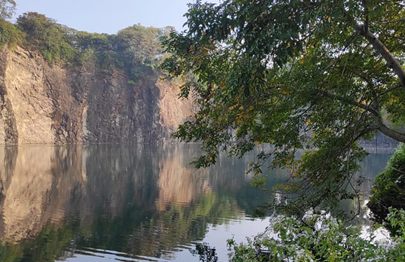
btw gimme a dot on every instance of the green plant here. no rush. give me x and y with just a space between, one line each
47 36
389 186
10 35
319 238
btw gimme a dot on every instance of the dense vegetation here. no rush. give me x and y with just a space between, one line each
320 238
9 34
389 186
313 76
135 49
304 76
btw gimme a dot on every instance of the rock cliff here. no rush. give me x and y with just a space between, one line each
43 104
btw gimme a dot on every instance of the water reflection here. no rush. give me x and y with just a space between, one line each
133 202
356 210
137 200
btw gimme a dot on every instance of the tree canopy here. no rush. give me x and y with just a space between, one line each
7 8
136 49
46 35
306 76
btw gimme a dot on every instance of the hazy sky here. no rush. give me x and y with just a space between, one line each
110 16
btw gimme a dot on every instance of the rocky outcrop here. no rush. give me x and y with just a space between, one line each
43 104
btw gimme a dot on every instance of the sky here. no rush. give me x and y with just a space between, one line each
102 16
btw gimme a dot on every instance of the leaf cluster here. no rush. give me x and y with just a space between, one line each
46 35
318 237
10 35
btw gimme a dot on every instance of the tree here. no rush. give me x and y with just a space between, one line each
7 8
46 35
9 35
140 44
313 76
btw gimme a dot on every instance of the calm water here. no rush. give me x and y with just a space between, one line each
127 203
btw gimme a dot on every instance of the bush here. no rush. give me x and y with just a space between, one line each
389 186
9 34
47 36
319 238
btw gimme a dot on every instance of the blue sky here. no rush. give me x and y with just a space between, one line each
109 16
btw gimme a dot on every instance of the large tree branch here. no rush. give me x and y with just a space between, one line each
383 51
395 21
348 101
376 97
392 62
398 136
380 125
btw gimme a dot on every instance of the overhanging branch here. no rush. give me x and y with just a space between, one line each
398 136
348 101
383 51
395 21
381 126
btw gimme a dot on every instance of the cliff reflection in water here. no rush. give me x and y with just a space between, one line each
138 200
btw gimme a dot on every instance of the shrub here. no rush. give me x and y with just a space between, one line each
10 35
319 238
47 36
389 186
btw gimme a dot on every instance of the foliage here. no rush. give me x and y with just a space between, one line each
46 35
91 41
9 35
318 238
302 75
389 186
139 43
7 8
136 49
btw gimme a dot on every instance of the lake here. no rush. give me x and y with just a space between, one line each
129 202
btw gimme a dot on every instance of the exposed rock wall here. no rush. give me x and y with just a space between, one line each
40 104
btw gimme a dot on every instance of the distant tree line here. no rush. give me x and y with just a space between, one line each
136 49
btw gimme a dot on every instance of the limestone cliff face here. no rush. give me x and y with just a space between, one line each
59 104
